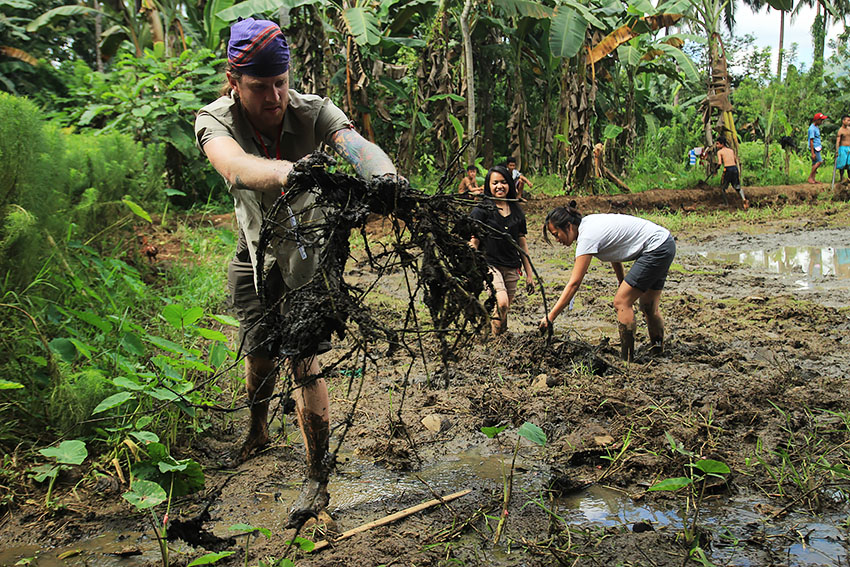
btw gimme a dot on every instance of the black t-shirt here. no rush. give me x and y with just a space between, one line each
498 250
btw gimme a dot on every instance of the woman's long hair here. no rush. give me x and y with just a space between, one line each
562 218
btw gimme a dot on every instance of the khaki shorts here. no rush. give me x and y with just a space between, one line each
505 280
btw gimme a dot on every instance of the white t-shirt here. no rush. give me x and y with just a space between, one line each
618 238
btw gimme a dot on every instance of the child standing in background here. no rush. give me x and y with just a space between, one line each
731 171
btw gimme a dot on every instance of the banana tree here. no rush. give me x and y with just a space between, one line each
579 37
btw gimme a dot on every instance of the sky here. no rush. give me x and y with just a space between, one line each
765 27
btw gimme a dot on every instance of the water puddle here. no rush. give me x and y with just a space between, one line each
810 265
739 534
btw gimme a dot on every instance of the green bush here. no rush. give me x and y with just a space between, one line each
56 185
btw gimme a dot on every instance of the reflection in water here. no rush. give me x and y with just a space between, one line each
807 261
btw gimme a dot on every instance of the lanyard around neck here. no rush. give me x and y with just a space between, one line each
263 144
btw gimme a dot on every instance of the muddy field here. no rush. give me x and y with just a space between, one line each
755 375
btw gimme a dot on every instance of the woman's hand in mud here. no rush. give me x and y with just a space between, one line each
529 285
544 324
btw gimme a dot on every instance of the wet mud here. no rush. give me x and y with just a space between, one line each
755 374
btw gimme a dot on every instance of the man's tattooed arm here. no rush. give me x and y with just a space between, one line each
367 158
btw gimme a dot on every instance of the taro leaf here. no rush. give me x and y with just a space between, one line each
8 385
178 317
145 494
137 210
493 431
218 354
132 344
304 544
670 484
68 452
162 468
144 437
43 472
210 558
712 467
113 401
212 335
64 348
533 433
226 320
248 528
611 131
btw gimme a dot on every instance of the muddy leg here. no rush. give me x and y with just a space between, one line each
312 408
744 202
260 376
624 301
654 322
499 322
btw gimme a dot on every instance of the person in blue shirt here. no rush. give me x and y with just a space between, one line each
815 145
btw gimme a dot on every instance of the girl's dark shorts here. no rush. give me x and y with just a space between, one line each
650 269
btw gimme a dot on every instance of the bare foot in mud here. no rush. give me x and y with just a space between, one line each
812 181
314 498
253 443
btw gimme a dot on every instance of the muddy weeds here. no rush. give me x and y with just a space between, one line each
755 375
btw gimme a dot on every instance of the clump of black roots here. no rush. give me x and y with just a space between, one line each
430 241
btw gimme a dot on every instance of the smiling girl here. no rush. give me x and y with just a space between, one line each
500 234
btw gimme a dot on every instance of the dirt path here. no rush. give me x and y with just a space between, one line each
755 375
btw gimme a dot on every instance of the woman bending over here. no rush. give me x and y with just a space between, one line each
617 239
502 240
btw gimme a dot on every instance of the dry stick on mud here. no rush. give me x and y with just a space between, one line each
393 517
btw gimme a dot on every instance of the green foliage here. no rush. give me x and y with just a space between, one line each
145 494
154 99
178 477
76 395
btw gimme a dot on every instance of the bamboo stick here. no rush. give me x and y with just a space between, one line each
391 518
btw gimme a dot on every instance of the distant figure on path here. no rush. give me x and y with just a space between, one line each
731 171
842 148
499 242
469 183
694 155
617 239
815 145
520 180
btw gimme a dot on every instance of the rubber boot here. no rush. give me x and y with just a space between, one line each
260 377
627 341
656 336
314 496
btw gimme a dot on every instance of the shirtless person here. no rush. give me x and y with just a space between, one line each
520 180
842 148
731 172
469 184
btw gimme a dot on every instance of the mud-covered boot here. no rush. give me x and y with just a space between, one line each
627 342
314 498
656 337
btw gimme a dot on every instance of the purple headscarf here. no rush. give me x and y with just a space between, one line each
257 48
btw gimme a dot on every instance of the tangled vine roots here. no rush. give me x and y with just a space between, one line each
311 224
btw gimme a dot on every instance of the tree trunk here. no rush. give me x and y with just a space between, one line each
581 98
310 41
718 98
781 43
519 124
98 33
469 69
